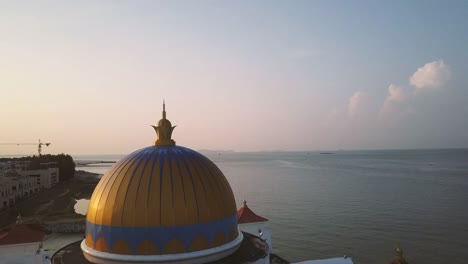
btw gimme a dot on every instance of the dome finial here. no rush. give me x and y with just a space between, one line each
164 130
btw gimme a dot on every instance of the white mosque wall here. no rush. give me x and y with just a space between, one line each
20 248
21 253
23 259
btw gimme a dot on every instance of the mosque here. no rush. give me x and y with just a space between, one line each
170 204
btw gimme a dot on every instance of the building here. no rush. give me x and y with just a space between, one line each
21 244
7 197
46 177
254 224
21 185
169 204
17 182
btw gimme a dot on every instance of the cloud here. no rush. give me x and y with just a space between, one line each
396 95
431 75
357 103
402 117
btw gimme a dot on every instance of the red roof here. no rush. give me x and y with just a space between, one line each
245 215
21 234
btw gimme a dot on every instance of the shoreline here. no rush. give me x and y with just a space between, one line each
87 176
54 205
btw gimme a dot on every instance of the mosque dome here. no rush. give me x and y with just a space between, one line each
162 204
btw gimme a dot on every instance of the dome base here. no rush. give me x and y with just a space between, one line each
196 257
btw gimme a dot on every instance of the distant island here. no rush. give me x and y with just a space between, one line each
210 151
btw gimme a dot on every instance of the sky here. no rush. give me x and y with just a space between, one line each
90 76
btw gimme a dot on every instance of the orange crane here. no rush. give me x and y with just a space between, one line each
39 145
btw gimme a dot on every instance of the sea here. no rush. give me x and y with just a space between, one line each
360 204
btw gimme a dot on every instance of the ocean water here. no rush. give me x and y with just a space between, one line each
362 204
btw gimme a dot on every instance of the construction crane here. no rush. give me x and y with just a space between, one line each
39 145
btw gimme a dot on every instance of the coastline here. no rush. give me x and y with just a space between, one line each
87 176
54 205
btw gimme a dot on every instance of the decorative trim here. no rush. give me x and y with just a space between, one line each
160 236
202 256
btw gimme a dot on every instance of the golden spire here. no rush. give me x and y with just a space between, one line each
164 130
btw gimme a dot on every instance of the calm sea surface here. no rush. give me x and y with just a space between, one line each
361 204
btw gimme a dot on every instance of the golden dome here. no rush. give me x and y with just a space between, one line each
159 200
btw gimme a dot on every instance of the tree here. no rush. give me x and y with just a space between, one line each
65 163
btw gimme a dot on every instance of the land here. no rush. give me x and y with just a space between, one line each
54 205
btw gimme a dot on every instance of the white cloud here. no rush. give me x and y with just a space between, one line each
357 103
396 95
431 75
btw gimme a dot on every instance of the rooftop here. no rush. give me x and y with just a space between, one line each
245 215
21 234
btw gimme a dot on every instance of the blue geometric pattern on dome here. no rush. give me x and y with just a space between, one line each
160 236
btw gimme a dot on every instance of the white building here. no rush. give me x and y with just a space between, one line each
46 177
7 196
21 185
254 224
21 245
16 182
27 186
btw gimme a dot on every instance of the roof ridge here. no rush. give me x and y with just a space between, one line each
246 215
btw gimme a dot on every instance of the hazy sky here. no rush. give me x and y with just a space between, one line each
90 76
